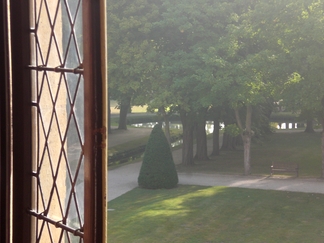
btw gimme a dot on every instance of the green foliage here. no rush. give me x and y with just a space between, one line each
131 53
233 130
303 38
192 54
158 168
284 117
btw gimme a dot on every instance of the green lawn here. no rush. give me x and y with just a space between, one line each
295 147
196 214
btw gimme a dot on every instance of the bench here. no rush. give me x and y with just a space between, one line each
284 167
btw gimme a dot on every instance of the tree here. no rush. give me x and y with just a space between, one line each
252 64
183 36
309 116
303 40
189 55
158 169
131 52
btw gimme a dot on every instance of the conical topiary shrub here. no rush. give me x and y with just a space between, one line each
158 169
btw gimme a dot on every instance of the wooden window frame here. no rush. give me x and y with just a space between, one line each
16 160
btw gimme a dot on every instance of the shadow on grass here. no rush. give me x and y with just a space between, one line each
216 214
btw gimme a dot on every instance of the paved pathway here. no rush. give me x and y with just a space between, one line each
124 178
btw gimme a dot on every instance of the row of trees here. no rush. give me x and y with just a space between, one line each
196 57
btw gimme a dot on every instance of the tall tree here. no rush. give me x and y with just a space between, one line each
131 51
186 27
304 41
250 63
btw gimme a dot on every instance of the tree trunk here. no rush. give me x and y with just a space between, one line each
167 129
201 137
109 116
246 137
187 146
124 108
167 125
215 138
309 126
322 122
322 175
247 158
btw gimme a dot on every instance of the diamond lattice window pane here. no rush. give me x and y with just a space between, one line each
59 128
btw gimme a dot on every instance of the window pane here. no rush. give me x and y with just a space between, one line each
58 129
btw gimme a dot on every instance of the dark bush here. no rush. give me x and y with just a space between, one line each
158 168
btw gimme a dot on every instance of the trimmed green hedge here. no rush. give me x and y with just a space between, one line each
158 169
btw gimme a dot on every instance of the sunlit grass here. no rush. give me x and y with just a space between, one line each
215 214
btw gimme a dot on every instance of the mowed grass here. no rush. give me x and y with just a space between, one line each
286 147
196 214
